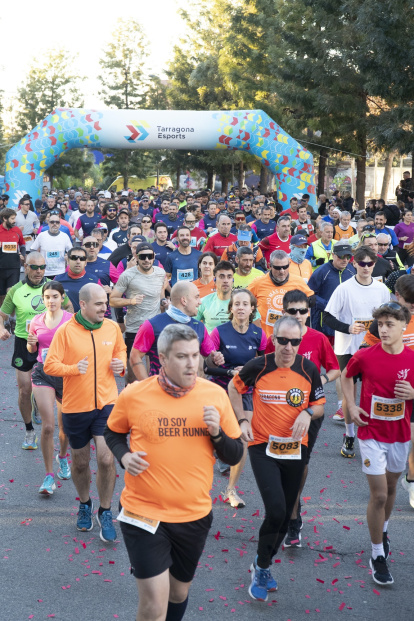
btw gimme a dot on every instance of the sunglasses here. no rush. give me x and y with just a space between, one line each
146 221
348 257
37 267
369 227
91 244
379 244
295 311
143 257
283 340
76 257
366 263
281 267
114 210
190 221
393 305
240 219
54 221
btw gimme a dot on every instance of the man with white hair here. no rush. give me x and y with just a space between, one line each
320 251
344 230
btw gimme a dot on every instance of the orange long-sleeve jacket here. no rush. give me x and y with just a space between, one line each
97 387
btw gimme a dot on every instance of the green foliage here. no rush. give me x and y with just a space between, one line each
125 163
74 165
50 83
122 64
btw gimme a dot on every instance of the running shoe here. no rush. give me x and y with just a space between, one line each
348 449
293 537
48 486
409 487
108 532
30 441
386 544
85 517
234 499
64 472
35 411
339 415
380 572
271 582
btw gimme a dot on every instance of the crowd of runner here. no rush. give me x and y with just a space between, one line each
225 315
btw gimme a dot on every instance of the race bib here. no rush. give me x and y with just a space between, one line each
44 354
185 274
28 238
53 259
367 321
272 316
379 278
140 521
283 448
406 246
387 409
9 247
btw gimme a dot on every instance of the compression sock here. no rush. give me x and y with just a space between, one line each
350 430
50 474
377 550
385 527
175 612
102 509
29 426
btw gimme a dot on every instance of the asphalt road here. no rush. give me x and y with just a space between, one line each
50 571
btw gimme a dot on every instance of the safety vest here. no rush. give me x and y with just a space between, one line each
319 252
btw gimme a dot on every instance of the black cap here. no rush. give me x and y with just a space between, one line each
123 211
341 249
144 246
140 238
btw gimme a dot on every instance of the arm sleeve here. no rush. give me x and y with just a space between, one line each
207 346
263 342
317 394
117 443
229 450
331 321
215 337
144 338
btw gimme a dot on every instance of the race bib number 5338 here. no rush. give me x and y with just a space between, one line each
387 409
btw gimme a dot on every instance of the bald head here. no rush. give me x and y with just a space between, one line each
186 297
91 292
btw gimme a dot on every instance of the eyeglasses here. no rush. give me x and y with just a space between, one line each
190 221
54 221
143 257
37 267
91 244
366 263
281 267
76 257
379 244
295 311
393 305
283 340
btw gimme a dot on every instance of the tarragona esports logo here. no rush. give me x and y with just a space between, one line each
139 130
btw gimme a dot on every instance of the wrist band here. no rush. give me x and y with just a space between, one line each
326 377
217 436
243 420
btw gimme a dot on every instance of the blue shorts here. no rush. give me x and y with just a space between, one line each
82 426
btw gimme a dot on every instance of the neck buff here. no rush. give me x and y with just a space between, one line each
75 276
278 284
170 388
344 228
87 324
177 314
298 254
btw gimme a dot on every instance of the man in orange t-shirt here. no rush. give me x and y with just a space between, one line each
166 505
270 289
287 395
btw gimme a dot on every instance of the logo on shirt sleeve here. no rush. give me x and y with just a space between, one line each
295 397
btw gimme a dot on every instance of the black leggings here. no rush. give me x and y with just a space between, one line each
278 481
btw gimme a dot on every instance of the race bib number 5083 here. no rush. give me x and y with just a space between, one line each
283 448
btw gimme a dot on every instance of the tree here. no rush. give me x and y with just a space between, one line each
73 165
51 82
126 163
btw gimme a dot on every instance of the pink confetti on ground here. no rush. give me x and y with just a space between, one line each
376 592
342 606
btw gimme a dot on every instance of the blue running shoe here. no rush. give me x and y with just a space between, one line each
271 582
63 472
85 517
48 486
30 441
108 532
35 411
258 586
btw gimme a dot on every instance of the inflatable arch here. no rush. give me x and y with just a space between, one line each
247 130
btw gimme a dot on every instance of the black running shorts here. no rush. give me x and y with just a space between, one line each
8 278
39 378
22 360
80 427
173 546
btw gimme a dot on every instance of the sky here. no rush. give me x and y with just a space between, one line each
28 29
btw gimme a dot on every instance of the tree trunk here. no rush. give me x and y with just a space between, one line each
323 163
225 177
210 179
361 164
241 176
125 172
177 176
213 181
387 175
264 179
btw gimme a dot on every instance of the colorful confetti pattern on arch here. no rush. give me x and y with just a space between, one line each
248 130
254 131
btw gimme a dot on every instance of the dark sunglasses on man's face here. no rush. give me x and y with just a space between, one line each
54 221
37 267
76 257
295 311
283 340
366 263
281 267
146 222
144 257
91 244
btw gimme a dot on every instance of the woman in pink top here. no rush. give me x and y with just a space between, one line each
47 388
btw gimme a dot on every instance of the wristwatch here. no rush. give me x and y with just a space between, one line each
309 411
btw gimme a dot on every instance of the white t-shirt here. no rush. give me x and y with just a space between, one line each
74 217
27 223
352 302
53 248
133 282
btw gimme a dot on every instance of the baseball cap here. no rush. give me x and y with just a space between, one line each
143 246
140 238
342 249
107 194
124 193
298 240
102 225
221 200
78 194
123 211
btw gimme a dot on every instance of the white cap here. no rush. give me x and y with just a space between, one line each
107 194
